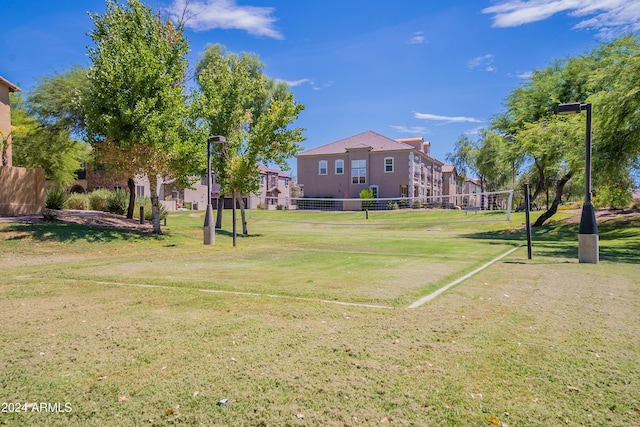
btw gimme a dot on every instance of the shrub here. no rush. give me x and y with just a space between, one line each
148 213
417 204
98 200
56 197
78 202
392 206
614 195
117 202
261 206
280 207
367 203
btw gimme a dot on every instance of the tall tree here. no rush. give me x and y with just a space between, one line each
46 143
135 101
57 100
252 111
616 100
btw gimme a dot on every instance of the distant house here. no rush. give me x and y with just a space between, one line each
275 188
370 161
472 189
451 185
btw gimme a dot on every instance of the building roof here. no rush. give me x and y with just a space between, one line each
266 170
448 168
418 139
7 83
366 140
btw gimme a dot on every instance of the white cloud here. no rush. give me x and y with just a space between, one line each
609 17
417 38
524 76
445 119
484 62
293 83
307 81
203 15
412 130
475 131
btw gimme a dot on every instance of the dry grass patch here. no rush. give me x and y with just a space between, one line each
541 342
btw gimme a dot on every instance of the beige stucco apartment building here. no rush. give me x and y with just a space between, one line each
6 87
370 161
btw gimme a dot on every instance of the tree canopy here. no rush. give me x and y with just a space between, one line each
46 127
531 137
252 111
135 102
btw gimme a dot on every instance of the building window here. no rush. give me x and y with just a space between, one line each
286 182
359 171
322 167
139 190
404 191
339 167
388 164
273 180
117 188
374 190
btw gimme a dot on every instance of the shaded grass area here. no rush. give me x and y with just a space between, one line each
540 342
618 240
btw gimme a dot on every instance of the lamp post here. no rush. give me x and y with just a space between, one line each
209 226
588 251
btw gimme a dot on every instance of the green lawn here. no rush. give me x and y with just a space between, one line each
116 325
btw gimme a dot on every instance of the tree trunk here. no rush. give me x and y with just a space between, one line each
540 184
556 201
219 211
155 204
132 197
538 190
245 231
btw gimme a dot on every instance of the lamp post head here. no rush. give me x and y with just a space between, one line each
572 108
219 139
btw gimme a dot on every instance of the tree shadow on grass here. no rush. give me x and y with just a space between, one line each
238 235
619 240
67 232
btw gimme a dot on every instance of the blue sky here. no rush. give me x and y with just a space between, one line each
402 68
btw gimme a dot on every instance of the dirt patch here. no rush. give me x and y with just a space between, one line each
603 215
105 219
91 218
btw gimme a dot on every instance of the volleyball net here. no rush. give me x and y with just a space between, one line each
487 206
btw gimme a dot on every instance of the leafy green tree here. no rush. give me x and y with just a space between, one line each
46 144
135 102
57 100
252 111
606 77
616 101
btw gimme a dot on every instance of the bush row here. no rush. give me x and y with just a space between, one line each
103 200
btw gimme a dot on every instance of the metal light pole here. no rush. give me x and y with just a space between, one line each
209 226
588 251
